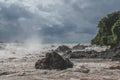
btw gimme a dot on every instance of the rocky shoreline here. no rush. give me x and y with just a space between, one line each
22 66
79 51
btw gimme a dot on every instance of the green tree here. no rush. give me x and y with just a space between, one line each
109 30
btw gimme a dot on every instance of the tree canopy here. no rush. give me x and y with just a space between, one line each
108 30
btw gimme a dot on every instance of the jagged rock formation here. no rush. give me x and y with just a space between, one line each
113 54
53 61
92 54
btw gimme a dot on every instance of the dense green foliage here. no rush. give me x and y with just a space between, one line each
109 30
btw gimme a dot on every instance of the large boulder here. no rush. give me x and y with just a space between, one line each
53 61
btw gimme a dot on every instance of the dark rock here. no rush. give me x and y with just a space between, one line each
91 54
53 61
63 49
79 47
115 49
52 45
115 66
84 54
116 53
116 57
6 73
22 74
67 54
112 53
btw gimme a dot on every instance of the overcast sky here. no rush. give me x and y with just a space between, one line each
58 21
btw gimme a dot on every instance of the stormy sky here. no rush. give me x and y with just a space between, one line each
53 21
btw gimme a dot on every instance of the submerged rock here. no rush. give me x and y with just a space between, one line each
63 49
53 61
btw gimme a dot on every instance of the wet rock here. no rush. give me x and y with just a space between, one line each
116 57
116 53
82 69
63 49
79 47
11 58
112 53
67 54
53 61
52 45
115 66
6 73
116 48
77 54
109 54
84 54
21 74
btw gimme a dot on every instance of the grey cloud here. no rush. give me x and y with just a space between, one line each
53 21
13 12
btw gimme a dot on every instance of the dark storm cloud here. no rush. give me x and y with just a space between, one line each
10 28
13 12
53 20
